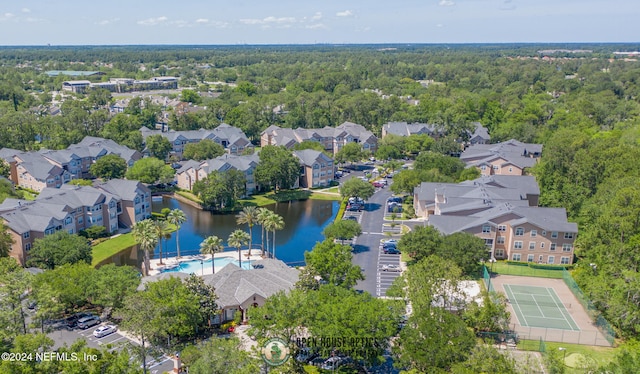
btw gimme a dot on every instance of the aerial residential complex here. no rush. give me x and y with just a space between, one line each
480 133
114 205
503 211
332 138
193 171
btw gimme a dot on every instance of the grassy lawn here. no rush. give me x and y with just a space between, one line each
110 247
508 269
325 196
574 353
189 195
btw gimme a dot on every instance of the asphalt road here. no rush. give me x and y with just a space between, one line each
367 253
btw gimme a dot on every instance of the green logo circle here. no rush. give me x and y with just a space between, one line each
275 352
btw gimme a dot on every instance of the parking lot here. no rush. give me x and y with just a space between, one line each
62 335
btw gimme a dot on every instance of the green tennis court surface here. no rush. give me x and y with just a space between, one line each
540 307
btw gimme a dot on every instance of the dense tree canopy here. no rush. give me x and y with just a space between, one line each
332 263
150 170
58 249
278 168
109 167
205 149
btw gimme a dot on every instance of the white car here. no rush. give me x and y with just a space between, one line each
391 267
390 241
105 330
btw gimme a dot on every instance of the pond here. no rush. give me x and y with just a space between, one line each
304 222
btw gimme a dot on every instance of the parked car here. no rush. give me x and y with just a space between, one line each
390 241
352 218
354 207
379 184
391 268
389 245
390 251
72 320
86 322
395 199
105 330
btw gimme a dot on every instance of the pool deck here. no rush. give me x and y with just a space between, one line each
173 261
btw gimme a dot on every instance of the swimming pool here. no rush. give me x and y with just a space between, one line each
196 267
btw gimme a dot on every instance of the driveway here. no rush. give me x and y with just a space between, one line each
367 252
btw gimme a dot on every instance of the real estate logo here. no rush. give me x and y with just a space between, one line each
275 352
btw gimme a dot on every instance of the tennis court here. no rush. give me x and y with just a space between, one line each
539 307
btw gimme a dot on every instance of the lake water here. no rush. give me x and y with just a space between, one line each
304 222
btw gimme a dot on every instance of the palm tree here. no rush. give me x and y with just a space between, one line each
144 234
248 215
237 239
210 246
177 217
273 223
263 214
162 231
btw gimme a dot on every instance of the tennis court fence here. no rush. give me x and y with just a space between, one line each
600 322
585 337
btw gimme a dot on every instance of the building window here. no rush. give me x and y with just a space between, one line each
517 245
541 244
544 233
27 247
564 260
483 167
530 258
510 170
502 228
499 253
68 220
566 247
519 231
552 247
568 235
534 233
500 240
316 166
532 246
26 235
551 259
554 234
80 220
495 167
486 229
540 258
488 242
516 257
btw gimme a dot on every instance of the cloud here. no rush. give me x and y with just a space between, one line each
105 22
268 20
202 20
446 3
7 16
153 21
346 13
26 10
316 26
317 16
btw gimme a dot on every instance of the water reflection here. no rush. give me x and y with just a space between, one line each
304 222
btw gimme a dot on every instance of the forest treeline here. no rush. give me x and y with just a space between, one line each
582 106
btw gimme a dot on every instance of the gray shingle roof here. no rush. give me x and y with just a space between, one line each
308 157
512 151
234 286
38 166
407 129
224 132
125 189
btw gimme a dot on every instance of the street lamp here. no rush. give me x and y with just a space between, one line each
202 264
564 354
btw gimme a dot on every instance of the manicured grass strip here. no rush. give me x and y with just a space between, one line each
508 269
325 196
189 195
108 248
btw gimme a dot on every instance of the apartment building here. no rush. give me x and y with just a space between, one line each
503 211
316 168
73 209
193 171
331 138
232 139
480 134
508 158
52 168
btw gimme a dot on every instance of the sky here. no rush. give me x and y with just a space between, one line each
234 22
